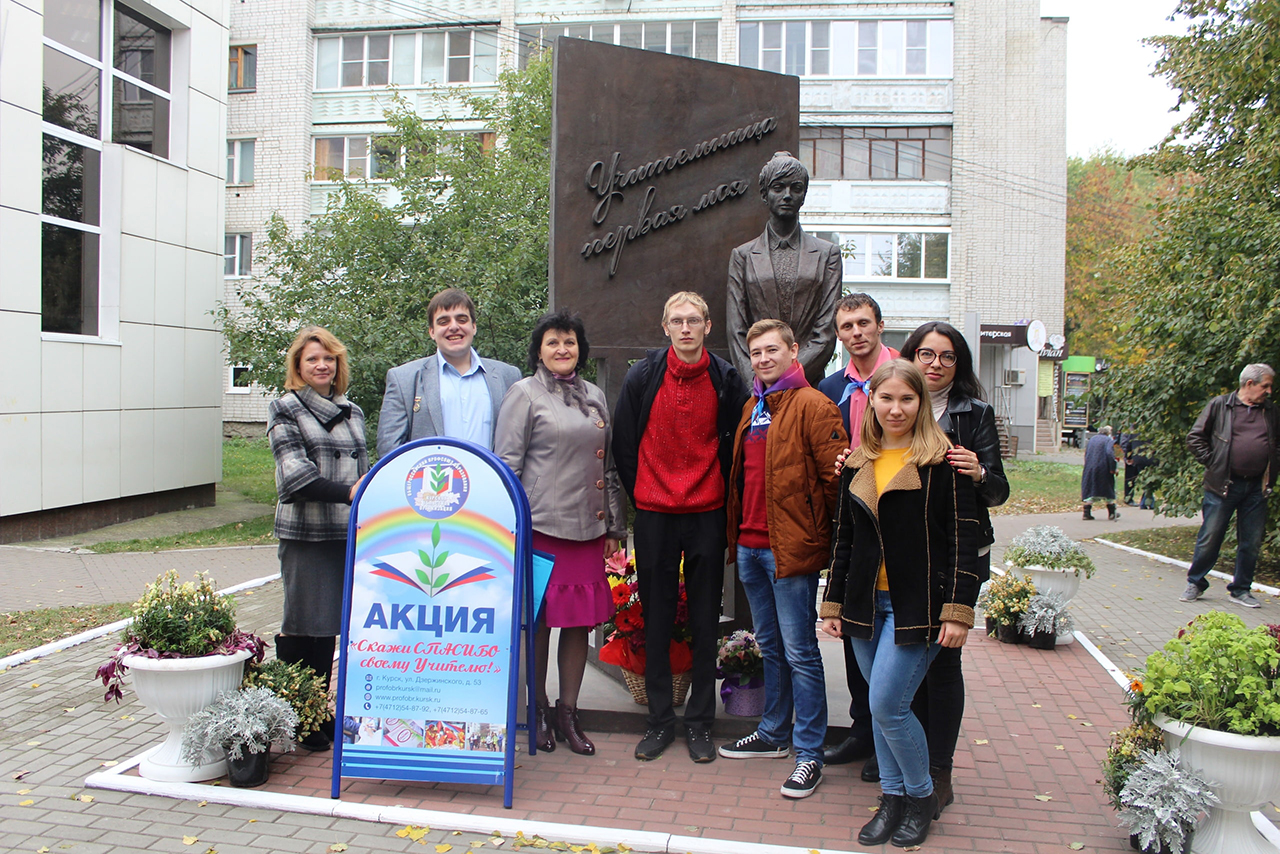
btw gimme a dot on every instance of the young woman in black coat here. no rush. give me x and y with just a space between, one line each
903 582
939 350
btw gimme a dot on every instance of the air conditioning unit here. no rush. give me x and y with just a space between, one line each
1018 377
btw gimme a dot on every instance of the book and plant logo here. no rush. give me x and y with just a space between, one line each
437 486
433 577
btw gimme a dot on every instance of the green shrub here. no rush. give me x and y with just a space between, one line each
296 684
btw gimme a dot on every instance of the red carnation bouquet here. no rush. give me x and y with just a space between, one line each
625 634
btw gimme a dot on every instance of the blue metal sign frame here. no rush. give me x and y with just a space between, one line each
372 758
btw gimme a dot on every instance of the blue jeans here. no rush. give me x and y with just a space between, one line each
785 614
894 673
1246 500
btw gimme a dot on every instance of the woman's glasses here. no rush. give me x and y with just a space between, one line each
946 357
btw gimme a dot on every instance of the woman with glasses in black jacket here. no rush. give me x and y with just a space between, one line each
942 353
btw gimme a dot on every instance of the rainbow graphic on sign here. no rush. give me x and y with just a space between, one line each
471 548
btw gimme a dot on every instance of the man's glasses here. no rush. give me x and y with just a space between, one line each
946 357
691 322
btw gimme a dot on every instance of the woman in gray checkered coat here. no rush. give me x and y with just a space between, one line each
317 437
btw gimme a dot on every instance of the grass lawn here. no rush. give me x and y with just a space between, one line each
249 469
1040 487
28 629
255 532
1179 543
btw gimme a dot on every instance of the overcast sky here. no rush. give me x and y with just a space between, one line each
1111 98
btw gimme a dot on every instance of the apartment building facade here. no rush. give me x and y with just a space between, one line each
934 133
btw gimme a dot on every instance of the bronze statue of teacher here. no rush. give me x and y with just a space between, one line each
785 274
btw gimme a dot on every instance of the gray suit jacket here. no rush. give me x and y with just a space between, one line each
419 381
753 295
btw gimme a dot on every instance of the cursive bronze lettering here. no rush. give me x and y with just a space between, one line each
720 193
602 182
624 234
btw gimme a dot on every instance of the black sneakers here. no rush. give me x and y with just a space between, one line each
753 747
700 747
654 742
803 780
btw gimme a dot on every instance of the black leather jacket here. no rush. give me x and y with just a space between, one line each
1210 442
971 424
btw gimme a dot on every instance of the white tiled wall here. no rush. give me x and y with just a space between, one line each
137 410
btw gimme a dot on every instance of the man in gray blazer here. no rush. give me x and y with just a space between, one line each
451 393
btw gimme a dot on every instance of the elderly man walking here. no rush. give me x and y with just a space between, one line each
1236 440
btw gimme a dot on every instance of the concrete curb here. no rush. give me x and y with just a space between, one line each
93 634
114 779
1261 588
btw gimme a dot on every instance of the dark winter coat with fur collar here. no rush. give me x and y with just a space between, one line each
925 526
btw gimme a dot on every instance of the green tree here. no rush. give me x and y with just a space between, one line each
1204 292
1109 206
448 210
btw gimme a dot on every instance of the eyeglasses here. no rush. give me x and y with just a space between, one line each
691 322
946 357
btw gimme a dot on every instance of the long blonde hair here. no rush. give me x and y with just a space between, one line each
293 380
929 445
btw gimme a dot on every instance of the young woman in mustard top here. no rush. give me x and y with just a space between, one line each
902 584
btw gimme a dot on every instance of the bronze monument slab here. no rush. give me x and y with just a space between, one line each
655 164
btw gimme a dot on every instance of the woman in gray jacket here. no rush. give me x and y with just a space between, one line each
317 438
553 431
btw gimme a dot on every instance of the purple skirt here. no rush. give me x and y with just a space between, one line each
578 594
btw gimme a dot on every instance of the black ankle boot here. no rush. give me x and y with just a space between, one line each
942 788
1088 513
886 820
917 816
1112 513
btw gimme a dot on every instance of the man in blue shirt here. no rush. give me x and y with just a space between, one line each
451 393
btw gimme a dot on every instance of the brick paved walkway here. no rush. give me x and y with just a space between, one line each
1037 724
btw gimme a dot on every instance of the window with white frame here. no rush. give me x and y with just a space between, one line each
237 256
905 255
351 157
407 59
140 83
238 379
240 161
699 39
903 48
800 48
877 153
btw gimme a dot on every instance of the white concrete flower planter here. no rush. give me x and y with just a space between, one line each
1064 581
175 689
1242 770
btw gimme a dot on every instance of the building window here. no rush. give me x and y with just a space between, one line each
70 168
237 256
240 161
407 59
915 48
238 379
877 154
140 83
799 48
351 157
242 71
699 39
909 255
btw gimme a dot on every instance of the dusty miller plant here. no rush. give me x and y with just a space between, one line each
1046 612
1161 802
1047 546
249 719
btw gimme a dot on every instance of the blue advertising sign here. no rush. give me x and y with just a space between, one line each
437 588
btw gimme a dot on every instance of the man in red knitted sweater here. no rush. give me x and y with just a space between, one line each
672 444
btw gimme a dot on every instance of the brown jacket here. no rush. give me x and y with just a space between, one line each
801 485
